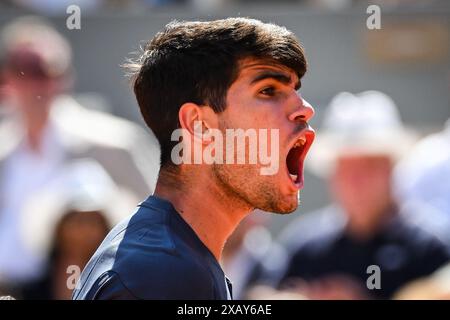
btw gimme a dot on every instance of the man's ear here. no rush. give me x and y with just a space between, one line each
197 120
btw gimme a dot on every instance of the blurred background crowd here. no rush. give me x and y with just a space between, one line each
75 157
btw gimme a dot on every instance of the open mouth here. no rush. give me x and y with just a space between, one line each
296 156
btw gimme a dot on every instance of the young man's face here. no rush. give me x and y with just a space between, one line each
265 96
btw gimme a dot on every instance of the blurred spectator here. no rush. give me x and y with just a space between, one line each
73 217
45 130
77 236
361 138
244 255
433 287
422 180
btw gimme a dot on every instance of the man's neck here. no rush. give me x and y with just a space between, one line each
203 205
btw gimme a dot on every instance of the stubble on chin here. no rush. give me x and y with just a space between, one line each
244 189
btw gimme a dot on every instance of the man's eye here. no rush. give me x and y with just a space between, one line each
269 91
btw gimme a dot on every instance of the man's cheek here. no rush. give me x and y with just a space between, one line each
269 158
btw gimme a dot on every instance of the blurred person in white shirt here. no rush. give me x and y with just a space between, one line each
422 180
45 129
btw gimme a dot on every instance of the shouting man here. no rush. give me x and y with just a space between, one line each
239 77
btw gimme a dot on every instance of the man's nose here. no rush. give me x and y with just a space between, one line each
304 112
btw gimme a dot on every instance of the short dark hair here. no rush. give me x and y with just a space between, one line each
197 62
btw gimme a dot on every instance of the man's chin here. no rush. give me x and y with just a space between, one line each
285 206
287 210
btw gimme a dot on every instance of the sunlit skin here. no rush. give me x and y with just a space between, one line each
213 199
270 103
361 184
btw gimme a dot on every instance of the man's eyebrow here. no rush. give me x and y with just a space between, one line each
277 75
